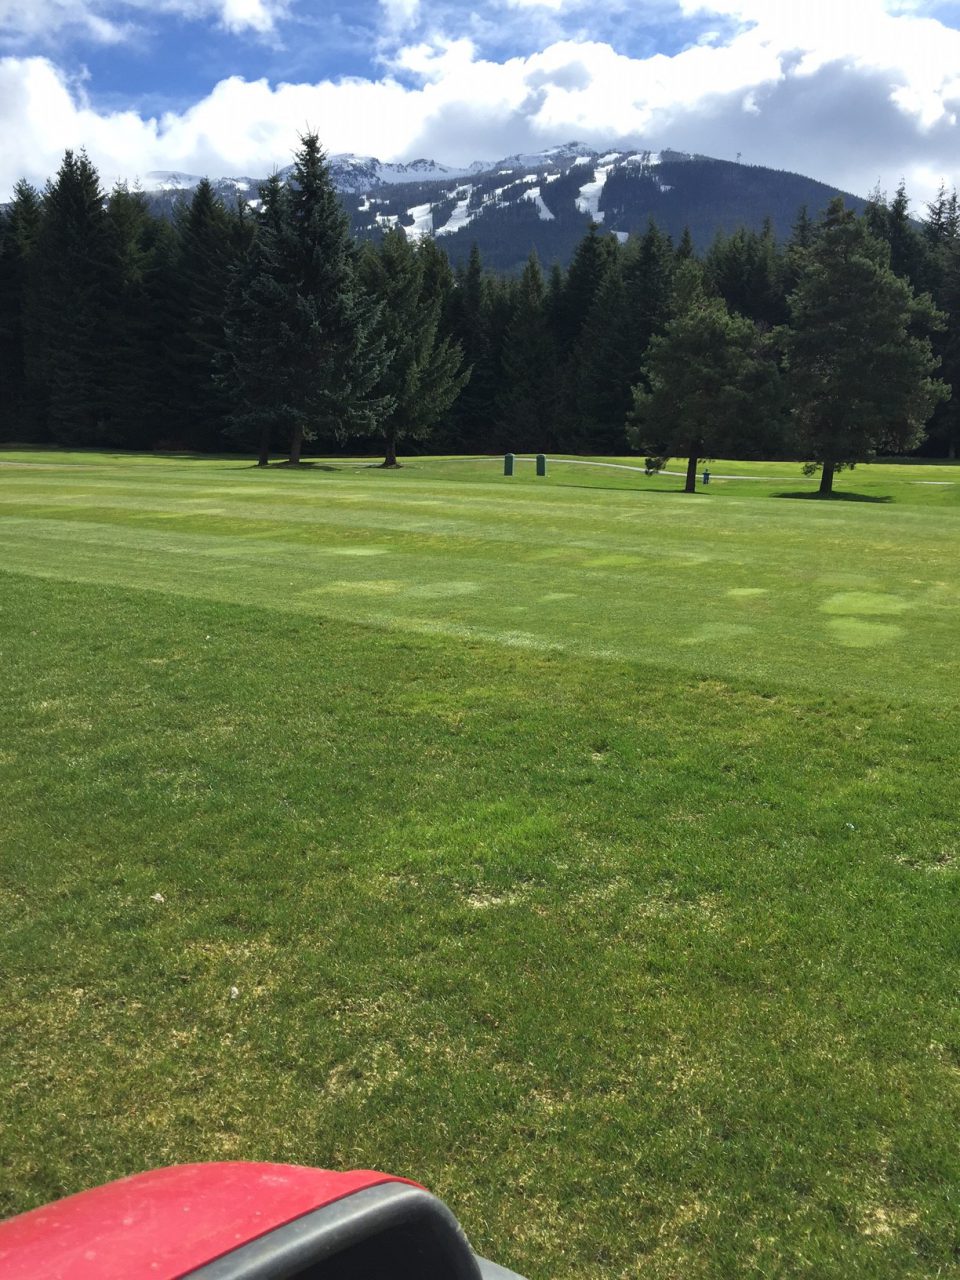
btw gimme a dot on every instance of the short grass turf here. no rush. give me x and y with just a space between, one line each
582 849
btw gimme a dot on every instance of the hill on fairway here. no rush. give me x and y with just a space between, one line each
584 850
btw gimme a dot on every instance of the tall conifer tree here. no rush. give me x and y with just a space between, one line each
527 396
70 305
19 227
423 372
316 347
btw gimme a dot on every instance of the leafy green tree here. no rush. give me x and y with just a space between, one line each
858 356
711 383
423 372
302 324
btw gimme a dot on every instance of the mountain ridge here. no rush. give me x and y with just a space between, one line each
544 201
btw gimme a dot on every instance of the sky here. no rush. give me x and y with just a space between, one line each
858 93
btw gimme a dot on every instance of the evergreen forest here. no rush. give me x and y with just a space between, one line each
271 330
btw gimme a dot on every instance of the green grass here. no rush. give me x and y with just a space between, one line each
582 849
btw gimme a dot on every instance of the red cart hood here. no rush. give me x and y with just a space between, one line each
166 1223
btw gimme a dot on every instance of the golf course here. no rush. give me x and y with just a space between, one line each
580 848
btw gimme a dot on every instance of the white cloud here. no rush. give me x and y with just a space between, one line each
848 92
110 21
400 14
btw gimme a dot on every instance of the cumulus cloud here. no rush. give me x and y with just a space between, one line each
853 93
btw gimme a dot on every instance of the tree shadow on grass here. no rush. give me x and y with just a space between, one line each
625 488
298 466
836 497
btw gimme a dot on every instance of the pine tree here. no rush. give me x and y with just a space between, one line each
19 228
161 407
711 383
423 372
941 235
255 330
588 267
207 255
746 270
129 331
859 361
71 300
302 324
469 421
685 248
797 249
607 365
526 399
648 272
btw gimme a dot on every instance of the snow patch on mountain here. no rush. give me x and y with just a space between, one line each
543 212
462 215
422 215
588 200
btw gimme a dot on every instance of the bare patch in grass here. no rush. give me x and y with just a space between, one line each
938 863
881 1222
381 1068
480 901
705 908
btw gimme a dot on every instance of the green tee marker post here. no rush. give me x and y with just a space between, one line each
508 461
541 464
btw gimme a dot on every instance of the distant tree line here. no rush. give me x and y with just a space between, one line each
269 329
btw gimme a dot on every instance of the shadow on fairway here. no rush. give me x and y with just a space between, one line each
617 488
299 466
836 497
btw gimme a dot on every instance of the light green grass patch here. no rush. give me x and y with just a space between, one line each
865 604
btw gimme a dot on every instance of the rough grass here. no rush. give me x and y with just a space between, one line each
581 849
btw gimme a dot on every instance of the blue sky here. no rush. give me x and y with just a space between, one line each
856 92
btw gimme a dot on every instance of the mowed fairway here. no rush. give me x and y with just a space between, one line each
584 850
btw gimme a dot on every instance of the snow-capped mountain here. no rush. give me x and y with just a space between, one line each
543 200
356 174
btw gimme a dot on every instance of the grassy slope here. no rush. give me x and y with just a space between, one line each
646 964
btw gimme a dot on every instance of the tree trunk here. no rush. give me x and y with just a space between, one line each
264 459
296 444
390 451
691 485
826 480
